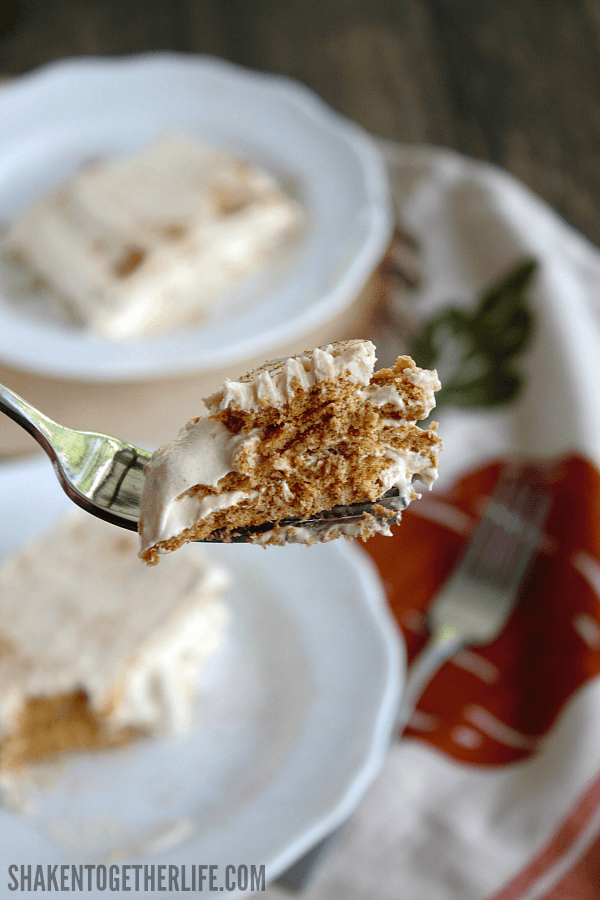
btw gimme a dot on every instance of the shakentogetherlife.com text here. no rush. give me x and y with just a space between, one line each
123 878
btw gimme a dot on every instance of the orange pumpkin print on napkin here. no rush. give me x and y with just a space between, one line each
494 704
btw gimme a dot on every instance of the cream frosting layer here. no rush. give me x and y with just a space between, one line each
79 613
149 242
274 383
202 454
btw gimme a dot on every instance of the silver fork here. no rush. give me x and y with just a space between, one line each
474 604
471 608
105 476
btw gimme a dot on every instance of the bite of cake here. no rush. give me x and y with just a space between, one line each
289 440
94 651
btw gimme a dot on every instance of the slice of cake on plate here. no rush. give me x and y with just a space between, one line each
95 651
289 440
149 242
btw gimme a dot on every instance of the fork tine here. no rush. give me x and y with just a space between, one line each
482 589
519 554
510 526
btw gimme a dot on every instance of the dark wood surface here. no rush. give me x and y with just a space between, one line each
514 82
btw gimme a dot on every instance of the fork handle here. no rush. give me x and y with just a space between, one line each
440 647
28 417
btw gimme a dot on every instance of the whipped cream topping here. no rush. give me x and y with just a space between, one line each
78 612
275 383
149 242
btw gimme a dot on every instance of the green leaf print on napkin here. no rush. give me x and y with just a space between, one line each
474 351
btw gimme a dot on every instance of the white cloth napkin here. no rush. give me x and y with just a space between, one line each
433 827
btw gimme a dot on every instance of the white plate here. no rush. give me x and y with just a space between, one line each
70 111
293 725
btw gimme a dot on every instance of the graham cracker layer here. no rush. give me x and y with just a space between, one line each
50 726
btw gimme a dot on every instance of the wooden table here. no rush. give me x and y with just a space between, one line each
514 82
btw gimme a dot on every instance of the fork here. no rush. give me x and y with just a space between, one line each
471 608
105 476
474 604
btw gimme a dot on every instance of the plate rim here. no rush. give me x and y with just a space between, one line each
333 302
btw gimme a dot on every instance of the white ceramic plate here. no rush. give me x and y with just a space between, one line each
60 116
293 725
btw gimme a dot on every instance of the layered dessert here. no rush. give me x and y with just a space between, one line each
149 242
95 651
294 438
